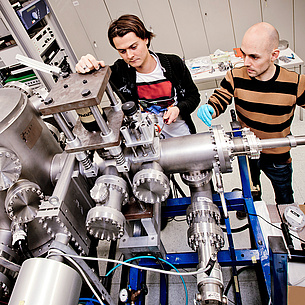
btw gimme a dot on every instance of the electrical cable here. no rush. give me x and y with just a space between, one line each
179 220
273 225
169 219
201 270
237 230
184 285
155 258
58 253
173 218
69 258
232 278
231 301
186 271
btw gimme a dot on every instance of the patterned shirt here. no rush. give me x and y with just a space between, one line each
266 107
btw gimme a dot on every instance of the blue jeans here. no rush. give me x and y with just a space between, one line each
280 176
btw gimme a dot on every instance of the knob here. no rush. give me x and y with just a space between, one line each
129 108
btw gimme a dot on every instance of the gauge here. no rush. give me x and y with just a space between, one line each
124 295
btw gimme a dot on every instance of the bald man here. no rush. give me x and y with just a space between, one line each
265 97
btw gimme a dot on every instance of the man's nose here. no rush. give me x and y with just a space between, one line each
246 61
129 53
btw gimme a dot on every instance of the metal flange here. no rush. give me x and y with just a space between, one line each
10 168
105 223
151 185
22 201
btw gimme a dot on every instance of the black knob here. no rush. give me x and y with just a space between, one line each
86 92
129 108
65 75
233 115
48 101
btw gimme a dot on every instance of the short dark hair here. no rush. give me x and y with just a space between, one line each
126 24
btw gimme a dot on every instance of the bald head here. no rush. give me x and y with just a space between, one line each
263 34
260 50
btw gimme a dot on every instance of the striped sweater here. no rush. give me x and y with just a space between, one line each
266 107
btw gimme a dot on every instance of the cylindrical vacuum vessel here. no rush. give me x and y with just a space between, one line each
46 281
23 132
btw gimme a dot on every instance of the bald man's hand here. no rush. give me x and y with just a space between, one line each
88 63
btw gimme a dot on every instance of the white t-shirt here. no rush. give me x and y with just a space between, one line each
156 94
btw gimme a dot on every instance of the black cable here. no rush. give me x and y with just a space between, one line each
275 226
24 250
232 278
231 301
169 219
179 220
163 268
237 230
106 281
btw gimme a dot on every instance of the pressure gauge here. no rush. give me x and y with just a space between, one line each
124 295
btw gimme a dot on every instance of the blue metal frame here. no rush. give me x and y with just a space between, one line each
237 200
136 278
279 267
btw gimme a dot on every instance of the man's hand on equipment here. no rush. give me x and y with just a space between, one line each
171 115
205 113
88 63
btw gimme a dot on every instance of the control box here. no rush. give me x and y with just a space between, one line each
43 39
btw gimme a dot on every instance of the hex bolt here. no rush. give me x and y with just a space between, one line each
48 101
65 74
86 92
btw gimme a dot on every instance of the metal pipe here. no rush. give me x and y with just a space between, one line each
196 152
289 141
100 121
63 126
112 98
62 185
206 237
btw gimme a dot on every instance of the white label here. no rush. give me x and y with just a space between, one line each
75 3
295 216
212 295
206 199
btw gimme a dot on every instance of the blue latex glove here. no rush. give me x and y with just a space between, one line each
205 113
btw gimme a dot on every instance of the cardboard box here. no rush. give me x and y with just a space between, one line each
296 295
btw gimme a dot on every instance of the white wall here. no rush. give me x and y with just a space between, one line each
189 28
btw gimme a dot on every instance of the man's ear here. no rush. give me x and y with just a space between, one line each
275 54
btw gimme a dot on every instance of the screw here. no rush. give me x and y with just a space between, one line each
86 92
48 101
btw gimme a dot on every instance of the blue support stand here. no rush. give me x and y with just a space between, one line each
278 265
136 279
237 200
258 256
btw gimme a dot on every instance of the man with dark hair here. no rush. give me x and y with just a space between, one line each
265 97
159 83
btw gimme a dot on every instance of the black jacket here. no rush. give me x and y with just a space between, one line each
123 77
